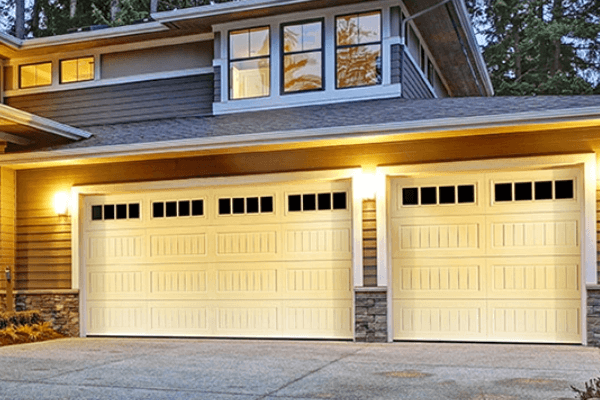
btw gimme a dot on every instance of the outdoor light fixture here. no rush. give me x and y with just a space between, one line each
61 203
367 184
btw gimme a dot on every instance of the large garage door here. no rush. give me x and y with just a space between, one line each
260 261
489 257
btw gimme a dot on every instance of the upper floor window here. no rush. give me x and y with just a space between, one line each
77 70
358 50
303 56
249 63
35 75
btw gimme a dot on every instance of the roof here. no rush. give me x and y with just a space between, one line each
400 115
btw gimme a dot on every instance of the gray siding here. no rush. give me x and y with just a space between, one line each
139 101
217 98
414 85
396 55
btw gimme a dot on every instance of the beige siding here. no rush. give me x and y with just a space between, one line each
161 59
7 221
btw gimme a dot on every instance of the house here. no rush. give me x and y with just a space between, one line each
294 169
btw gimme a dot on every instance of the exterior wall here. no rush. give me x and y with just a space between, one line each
414 85
369 243
59 307
7 223
593 315
166 98
160 59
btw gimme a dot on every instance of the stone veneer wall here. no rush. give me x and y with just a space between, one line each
371 315
59 307
593 315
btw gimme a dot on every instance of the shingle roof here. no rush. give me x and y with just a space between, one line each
359 113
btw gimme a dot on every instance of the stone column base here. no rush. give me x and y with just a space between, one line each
593 315
370 315
59 307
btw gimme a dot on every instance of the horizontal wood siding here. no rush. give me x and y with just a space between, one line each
7 222
369 243
217 79
130 102
413 84
396 63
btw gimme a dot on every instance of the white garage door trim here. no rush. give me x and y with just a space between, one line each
588 249
79 193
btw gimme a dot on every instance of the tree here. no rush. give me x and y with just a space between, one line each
540 46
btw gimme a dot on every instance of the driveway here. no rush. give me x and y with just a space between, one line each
285 370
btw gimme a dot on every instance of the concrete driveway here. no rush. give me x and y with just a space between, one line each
278 370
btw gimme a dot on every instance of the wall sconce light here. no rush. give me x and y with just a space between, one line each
366 184
61 203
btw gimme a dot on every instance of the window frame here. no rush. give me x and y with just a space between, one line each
60 70
282 91
35 64
231 60
337 47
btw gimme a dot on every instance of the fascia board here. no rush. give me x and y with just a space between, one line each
414 130
465 21
77 37
219 9
10 41
42 124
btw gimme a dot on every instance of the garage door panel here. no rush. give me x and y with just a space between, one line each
318 241
318 319
177 317
536 320
439 278
317 280
248 318
534 278
179 281
247 281
248 243
116 318
438 237
440 319
115 246
534 234
182 244
112 282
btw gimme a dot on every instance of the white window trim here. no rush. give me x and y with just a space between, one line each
588 215
330 94
78 213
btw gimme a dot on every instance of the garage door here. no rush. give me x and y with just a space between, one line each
260 261
489 257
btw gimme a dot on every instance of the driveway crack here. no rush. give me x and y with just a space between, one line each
271 393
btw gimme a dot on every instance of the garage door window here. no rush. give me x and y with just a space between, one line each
317 202
180 208
438 195
534 191
245 205
115 211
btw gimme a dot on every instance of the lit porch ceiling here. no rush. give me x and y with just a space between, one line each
20 130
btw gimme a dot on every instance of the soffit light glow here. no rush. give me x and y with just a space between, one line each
367 185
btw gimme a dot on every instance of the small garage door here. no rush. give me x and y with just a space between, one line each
489 257
260 261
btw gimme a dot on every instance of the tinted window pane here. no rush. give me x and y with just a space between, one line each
410 196
158 210
294 203
466 194
358 66
309 202
347 30
252 205
238 205
184 208
121 211
369 28
302 72
324 201
266 204
523 191
259 42
292 38
171 209
197 207
447 194
109 211
503 191
96 213
563 189
239 44
250 78
134 211
224 206
339 201
543 190
429 195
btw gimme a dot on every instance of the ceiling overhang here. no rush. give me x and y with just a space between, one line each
22 130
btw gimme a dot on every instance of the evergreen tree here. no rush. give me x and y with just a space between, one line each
540 46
